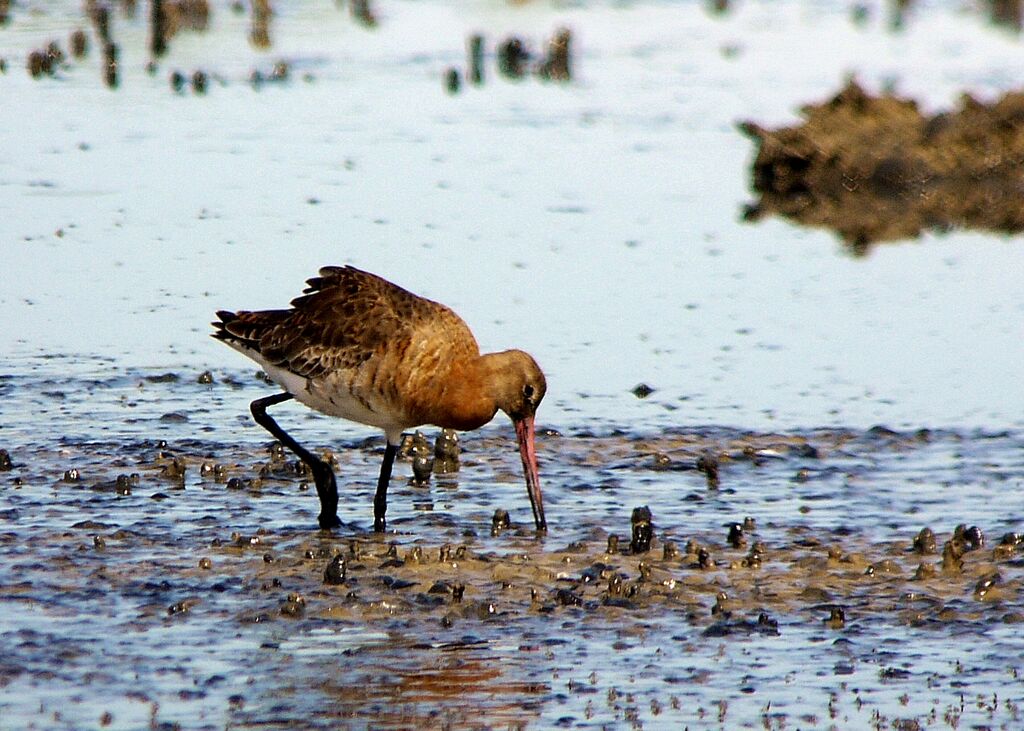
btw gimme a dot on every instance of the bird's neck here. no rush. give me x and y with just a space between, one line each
466 400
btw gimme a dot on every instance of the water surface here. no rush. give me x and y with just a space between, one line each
595 224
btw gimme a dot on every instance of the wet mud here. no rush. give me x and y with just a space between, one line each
170 573
876 169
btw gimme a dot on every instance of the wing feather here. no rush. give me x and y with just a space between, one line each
343 318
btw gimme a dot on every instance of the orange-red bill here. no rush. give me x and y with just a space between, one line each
525 434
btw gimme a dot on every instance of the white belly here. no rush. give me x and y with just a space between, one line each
332 396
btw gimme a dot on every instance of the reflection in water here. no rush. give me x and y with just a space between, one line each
464 679
395 683
875 169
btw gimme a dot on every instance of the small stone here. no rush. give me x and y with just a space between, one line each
836 618
293 606
736 539
446 452
924 542
512 58
422 468
972 537
500 521
707 463
642 530
280 71
556 67
111 53
642 390
335 571
985 584
413 444
952 556
79 43
567 598
452 81
924 572
199 81
177 81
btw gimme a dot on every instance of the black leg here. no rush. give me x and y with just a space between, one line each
380 500
323 475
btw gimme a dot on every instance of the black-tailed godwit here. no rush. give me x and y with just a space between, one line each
357 346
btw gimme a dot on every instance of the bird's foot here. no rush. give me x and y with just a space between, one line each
327 490
328 522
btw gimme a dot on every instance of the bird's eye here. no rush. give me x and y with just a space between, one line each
528 391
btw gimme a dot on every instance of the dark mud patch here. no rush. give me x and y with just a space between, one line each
799 587
874 168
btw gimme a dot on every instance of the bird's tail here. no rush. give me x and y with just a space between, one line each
245 329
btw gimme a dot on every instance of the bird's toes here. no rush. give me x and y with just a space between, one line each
329 522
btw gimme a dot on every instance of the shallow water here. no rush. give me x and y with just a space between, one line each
593 223
109 607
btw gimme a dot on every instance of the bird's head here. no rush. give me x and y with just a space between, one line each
519 387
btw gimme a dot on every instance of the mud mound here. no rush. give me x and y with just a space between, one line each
876 169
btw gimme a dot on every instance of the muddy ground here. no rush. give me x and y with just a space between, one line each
182 583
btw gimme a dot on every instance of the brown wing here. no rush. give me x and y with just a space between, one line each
344 318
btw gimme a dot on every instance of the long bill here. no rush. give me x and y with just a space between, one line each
525 434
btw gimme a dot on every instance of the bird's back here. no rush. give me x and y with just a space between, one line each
355 345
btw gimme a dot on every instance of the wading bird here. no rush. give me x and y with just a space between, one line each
357 346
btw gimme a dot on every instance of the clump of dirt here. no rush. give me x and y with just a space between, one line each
874 168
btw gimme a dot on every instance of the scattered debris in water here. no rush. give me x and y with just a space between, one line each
452 80
110 70
642 530
556 65
446 452
708 463
99 13
513 58
199 80
259 33
79 43
642 390
475 47
363 13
